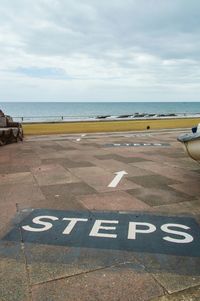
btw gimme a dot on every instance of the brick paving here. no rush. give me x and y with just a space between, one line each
72 172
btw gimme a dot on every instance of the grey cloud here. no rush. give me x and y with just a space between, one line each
155 40
156 26
56 73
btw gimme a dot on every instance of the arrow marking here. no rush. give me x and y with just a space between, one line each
79 139
117 178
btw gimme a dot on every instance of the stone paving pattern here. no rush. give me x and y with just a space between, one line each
59 172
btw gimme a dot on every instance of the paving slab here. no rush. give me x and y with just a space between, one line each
175 282
13 281
7 210
21 193
21 159
99 179
120 158
52 154
159 196
192 294
8 168
63 191
51 174
188 207
114 165
119 200
62 196
153 181
4 158
174 273
114 283
14 284
47 263
67 163
167 169
191 188
56 146
185 163
70 203
16 178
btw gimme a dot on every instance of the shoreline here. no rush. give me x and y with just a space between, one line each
94 126
125 117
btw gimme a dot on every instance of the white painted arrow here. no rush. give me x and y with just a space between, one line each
117 178
79 139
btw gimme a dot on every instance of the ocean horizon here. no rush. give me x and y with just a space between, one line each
58 111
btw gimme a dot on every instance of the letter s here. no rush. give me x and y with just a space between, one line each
37 221
187 237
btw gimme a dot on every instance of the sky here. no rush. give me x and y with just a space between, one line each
100 50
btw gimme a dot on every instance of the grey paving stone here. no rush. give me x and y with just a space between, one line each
14 197
31 160
52 174
67 163
192 188
20 193
175 283
90 144
174 273
55 147
52 154
192 294
114 165
8 210
8 168
63 196
108 284
16 178
188 207
159 196
99 179
72 164
152 181
47 262
64 190
119 200
120 158
167 169
13 281
178 154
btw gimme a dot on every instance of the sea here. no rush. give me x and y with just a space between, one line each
72 111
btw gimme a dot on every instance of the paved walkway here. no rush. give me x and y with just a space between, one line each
66 234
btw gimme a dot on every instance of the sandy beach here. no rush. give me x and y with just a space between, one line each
108 126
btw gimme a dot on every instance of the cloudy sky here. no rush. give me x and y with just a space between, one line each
100 50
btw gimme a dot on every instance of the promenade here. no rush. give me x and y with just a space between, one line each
108 216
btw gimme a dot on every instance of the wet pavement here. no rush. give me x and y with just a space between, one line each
73 227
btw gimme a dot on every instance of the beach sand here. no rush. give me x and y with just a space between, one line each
108 126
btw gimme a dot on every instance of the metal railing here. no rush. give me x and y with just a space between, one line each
25 119
64 118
